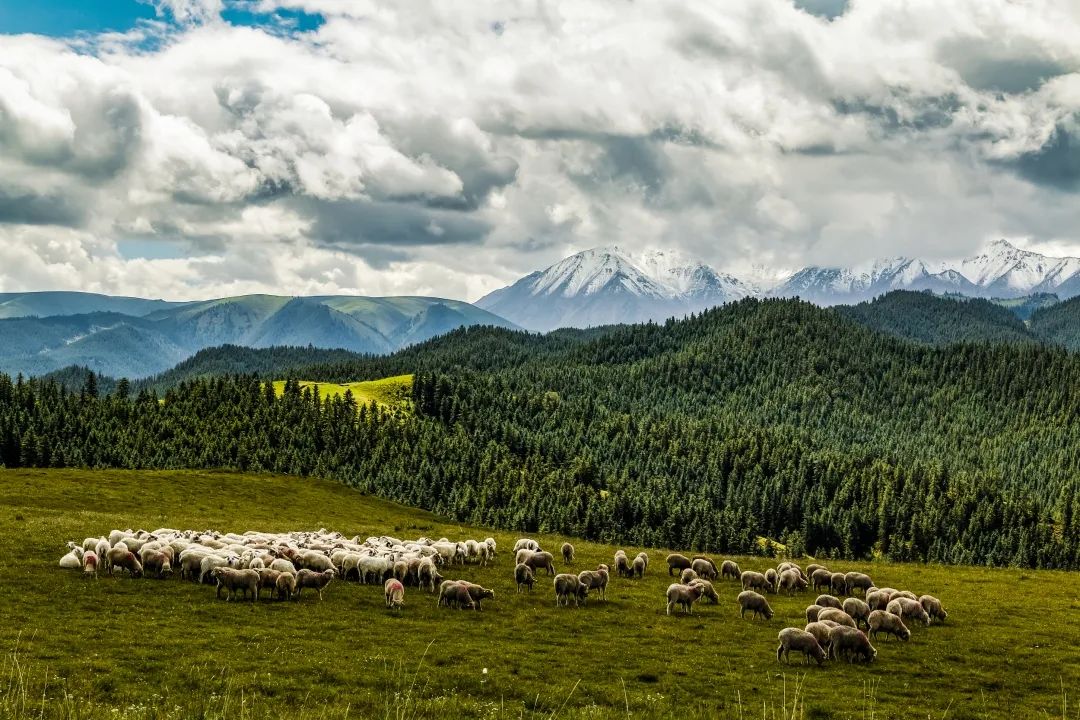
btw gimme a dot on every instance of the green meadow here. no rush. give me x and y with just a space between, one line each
390 391
73 647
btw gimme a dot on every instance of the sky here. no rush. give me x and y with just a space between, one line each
204 148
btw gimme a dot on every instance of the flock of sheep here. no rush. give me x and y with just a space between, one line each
285 564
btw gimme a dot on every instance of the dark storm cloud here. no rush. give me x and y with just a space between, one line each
1057 163
19 207
352 224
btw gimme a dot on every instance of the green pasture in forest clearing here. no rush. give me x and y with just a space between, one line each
391 391
117 648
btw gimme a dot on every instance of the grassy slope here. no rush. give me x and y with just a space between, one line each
393 391
169 645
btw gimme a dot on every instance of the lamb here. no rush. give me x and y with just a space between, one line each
853 580
73 560
569 586
314 580
707 591
268 579
158 563
126 560
792 581
881 621
800 641
232 580
829 601
524 577
858 610
852 643
622 564
772 579
567 553
687 575
812 612
394 593
705 567
90 564
684 596
595 580
754 581
908 609
541 559
675 561
730 569
750 600
821 578
933 608
838 583
837 616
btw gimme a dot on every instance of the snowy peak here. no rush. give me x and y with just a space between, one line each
595 271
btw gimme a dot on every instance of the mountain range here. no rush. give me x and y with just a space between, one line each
129 337
608 285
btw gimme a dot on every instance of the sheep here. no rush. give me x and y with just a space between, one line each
861 581
595 580
375 569
90 564
838 583
157 563
490 542
268 579
800 641
878 599
524 576
569 586
567 553
126 560
858 610
705 567
72 561
754 581
908 609
837 616
820 631
707 590
526 543
455 595
903 594
477 593
315 580
812 612
637 569
622 564
792 581
811 569
400 571
821 578
522 555
750 600
232 580
313 560
394 592
684 596
102 548
850 642
190 564
541 559
881 621
208 563
829 601
933 608
687 575
772 579
730 569
675 561
426 575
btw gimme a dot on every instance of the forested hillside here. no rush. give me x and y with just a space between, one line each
762 418
1059 324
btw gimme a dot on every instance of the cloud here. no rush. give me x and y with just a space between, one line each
410 147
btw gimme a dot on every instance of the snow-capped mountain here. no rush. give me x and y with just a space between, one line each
611 285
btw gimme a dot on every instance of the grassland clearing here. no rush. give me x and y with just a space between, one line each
165 648
391 391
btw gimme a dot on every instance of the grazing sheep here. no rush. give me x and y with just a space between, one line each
541 559
908 609
857 580
772 579
268 579
522 555
858 610
638 568
933 608
687 575
849 642
595 580
820 631
426 575
394 593
813 568
730 569
812 612
527 544
821 578
675 561
684 596
881 621
705 567
707 590
126 560
477 593
792 581
622 564
838 583
317 581
878 599
800 641
829 601
73 560
453 594
157 563
837 616
569 586
523 575
750 600
567 553
232 580
101 549
490 542
90 564
903 594
754 581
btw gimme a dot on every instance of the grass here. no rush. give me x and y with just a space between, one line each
75 648
392 391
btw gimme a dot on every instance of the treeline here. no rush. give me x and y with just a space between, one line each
768 419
